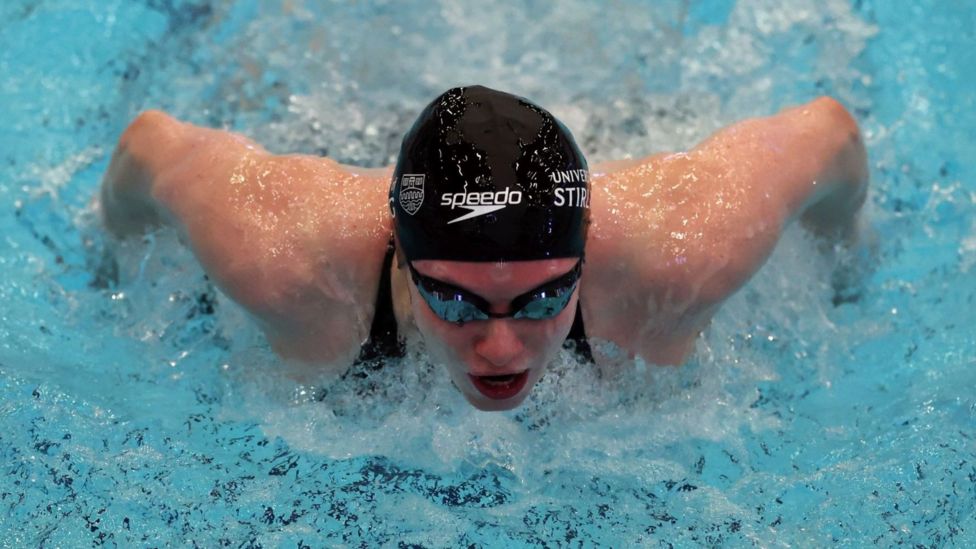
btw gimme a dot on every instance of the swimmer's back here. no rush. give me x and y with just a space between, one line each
297 240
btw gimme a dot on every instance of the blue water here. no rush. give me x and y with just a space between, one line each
830 402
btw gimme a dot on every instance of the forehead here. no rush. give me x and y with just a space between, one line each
496 280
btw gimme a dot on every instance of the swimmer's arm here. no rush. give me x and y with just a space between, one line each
160 161
750 180
157 153
296 240
807 162
685 231
151 142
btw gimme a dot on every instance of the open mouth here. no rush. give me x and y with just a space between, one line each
500 387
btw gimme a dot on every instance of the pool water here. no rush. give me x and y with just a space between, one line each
830 402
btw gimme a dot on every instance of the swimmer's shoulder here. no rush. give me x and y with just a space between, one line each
678 222
331 285
645 280
297 240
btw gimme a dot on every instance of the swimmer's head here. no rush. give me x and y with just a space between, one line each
488 176
485 176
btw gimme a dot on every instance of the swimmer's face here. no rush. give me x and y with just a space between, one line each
498 346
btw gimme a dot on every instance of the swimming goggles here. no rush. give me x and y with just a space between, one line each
458 305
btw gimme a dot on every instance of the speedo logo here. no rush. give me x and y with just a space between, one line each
480 203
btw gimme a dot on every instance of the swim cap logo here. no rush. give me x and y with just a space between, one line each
480 203
573 197
411 192
569 176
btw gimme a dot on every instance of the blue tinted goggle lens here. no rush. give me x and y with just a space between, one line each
454 304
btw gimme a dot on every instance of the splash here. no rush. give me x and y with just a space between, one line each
150 406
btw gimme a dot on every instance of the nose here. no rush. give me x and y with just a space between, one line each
500 345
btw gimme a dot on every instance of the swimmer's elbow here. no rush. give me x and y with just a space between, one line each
837 119
846 172
149 125
153 117
154 140
833 108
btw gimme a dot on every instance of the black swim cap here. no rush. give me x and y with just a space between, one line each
488 176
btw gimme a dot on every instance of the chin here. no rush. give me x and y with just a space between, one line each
487 405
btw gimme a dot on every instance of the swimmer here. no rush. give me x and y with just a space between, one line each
491 239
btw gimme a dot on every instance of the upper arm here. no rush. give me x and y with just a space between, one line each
767 172
723 204
280 232
297 240
682 232
790 160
